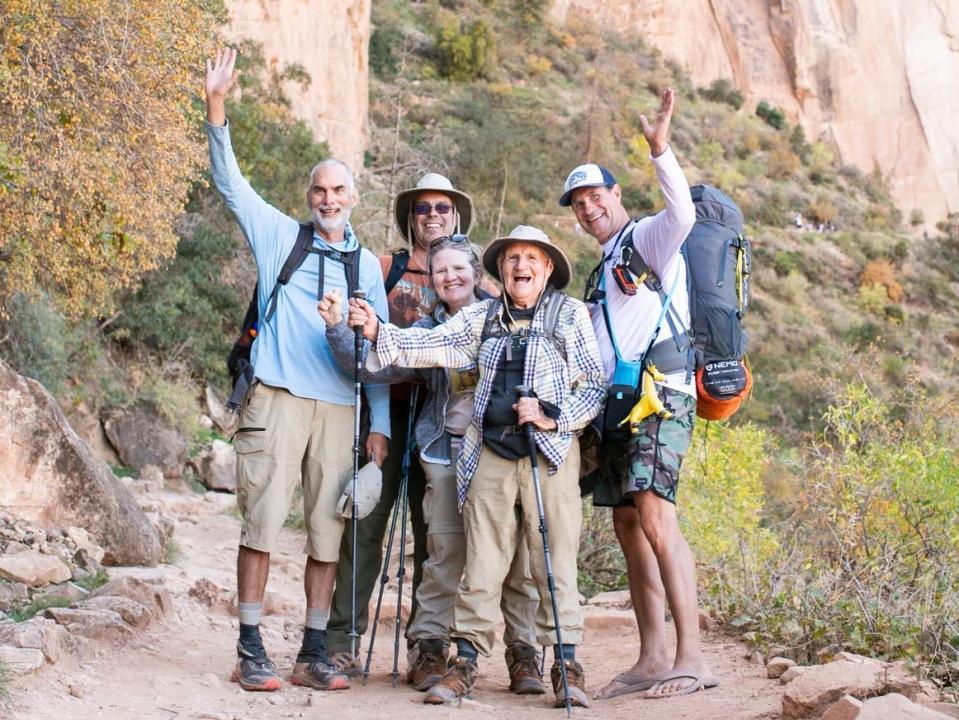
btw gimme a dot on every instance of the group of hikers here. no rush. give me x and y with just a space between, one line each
496 526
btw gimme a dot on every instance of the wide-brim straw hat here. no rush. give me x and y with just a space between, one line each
562 271
432 182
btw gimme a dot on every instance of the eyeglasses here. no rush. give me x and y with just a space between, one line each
457 239
425 208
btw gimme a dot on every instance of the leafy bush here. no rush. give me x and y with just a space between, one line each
722 90
773 115
466 51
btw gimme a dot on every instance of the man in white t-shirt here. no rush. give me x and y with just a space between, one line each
640 471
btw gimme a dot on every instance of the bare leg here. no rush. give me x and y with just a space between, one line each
678 571
646 591
318 583
252 571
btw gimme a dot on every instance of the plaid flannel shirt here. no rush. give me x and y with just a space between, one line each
574 381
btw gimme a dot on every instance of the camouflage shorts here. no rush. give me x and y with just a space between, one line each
651 458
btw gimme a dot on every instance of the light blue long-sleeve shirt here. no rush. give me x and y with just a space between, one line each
291 350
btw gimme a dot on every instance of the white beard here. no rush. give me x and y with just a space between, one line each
331 225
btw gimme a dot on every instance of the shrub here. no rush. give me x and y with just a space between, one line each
465 52
773 115
722 90
881 273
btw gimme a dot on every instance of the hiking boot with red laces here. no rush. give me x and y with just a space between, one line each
319 675
254 671
457 683
429 666
524 675
576 678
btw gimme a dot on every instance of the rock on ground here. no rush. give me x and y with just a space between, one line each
896 707
101 624
142 438
54 479
217 467
847 708
823 685
39 634
20 661
33 568
777 666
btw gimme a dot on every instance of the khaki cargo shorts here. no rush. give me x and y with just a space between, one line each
282 441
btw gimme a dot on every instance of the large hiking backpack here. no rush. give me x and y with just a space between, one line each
718 263
238 361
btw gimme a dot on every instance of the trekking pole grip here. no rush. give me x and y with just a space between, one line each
525 391
358 330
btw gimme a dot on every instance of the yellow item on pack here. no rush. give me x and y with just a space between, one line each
649 402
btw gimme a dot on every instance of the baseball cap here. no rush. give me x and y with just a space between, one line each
589 175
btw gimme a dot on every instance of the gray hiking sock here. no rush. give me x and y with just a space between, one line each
317 618
250 613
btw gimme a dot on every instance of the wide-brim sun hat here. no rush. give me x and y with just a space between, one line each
432 182
562 271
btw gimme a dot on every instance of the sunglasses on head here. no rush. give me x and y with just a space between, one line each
450 239
424 208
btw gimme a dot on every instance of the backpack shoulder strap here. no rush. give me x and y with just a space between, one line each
398 265
492 320
557 301
301 248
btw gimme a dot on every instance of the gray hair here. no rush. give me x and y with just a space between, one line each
465 246
333 162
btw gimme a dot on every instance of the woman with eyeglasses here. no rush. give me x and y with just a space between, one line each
456 276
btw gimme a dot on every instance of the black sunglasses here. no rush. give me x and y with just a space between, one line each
424 208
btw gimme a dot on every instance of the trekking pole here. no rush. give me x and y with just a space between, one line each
525 391
404 495
355 510
401 500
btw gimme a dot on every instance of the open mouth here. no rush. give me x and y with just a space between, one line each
522 280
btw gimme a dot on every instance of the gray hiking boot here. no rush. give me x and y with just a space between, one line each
254 671
523 665
319 675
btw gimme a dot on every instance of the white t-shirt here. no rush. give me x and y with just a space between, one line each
658 239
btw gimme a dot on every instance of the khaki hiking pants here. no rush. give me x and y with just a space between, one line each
443 569
500 508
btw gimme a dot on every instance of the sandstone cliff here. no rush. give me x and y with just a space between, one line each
879 78
330 40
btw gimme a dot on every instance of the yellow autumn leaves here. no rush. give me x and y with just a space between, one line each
99 141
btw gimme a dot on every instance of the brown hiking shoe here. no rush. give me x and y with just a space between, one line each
345 663
524 674
576 678
429 666
457 683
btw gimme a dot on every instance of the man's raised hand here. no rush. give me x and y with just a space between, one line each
220 79
657 132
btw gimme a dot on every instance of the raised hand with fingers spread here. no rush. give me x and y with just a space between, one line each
657 132
221 76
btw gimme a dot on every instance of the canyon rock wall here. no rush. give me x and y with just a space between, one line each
330 39
881 79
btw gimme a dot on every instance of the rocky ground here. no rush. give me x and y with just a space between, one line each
179 666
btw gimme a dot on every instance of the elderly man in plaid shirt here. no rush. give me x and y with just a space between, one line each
539 337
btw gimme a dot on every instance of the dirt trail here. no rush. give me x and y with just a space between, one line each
179 668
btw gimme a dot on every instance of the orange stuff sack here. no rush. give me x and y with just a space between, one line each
721 388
